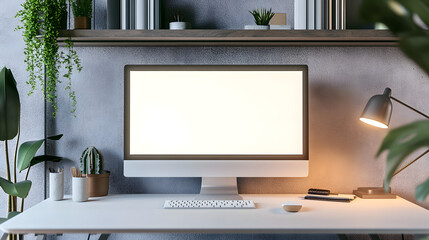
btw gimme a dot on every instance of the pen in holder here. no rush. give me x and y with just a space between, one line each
56 186
79 186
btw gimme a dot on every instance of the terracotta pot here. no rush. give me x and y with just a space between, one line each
82 23
98 184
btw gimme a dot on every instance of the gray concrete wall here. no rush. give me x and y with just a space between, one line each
341 80
32 127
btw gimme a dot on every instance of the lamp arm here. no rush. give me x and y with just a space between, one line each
424 115
408 106
417 158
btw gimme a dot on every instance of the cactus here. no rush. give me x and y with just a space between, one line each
91 161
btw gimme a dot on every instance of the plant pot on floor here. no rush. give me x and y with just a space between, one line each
257 27
98 184
82 23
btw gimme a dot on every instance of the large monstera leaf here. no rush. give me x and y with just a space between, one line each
400 143
408 20
9 106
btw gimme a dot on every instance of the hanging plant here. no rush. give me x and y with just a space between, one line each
41 21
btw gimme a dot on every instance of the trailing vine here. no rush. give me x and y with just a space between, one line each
41 21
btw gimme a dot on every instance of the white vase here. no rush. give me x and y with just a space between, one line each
56 186
179 25
80 189
257 27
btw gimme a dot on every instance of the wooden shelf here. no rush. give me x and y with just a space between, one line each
229 37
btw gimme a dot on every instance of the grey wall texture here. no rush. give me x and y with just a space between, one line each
341 80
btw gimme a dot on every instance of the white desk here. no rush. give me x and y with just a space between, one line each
144 213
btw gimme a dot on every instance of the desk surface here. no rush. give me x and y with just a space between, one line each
144 213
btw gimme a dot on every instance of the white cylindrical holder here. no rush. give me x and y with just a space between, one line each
80 189
56 186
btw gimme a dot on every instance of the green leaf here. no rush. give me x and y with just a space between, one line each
400 143
56 137
9 105
19 189
45 158
422 191
27 151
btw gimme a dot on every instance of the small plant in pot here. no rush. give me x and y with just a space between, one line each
91 166
262 19
178 23
82 11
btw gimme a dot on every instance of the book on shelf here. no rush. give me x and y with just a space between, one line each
140 14
320 14
142 18
300 14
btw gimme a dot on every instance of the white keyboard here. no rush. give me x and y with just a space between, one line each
209 204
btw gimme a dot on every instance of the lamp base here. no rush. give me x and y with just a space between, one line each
373 193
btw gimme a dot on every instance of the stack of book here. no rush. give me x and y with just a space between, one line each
133 14
320 14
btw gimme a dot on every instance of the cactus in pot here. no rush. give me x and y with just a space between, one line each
91 166
91 161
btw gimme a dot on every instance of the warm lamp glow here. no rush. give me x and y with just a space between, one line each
374 123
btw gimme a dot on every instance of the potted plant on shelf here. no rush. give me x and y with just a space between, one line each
24 157
91 165
178 23
41 22
262 19
82 12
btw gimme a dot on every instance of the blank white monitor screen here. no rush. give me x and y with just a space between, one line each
216 112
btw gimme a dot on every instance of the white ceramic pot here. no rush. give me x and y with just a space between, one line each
56 186
179 25
257 27
80 189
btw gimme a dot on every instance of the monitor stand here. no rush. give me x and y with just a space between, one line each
219 188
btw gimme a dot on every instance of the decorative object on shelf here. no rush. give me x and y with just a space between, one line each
178 23
82 13
262 19
46 19
91 165
278 22
24 158
113 10
377 113
403 141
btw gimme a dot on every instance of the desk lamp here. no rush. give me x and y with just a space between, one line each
377 113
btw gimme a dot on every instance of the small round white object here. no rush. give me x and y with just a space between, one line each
291 206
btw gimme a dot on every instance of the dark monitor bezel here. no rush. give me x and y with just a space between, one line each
129 68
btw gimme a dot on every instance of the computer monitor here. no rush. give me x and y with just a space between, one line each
216 122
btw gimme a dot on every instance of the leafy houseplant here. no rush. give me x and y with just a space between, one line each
24 157
408 20
261 17
82 12
91 165
41 21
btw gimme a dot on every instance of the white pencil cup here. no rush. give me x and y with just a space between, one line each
56 186
80 189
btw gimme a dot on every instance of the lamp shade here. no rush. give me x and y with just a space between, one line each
378 110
